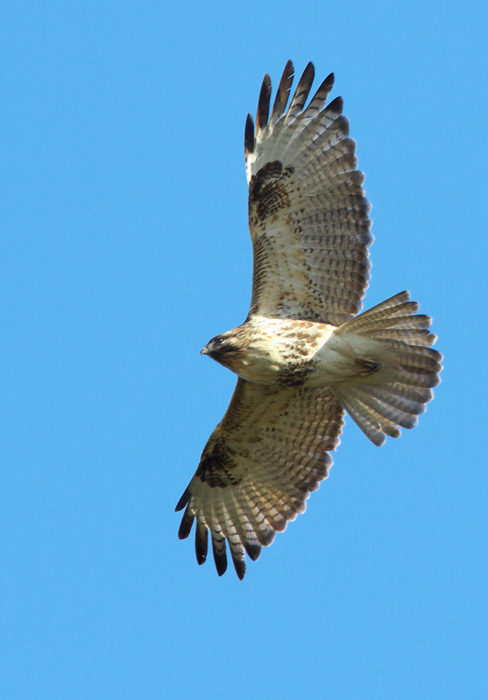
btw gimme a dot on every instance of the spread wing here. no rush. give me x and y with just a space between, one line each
308 215
258 467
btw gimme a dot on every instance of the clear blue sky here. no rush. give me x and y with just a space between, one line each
124 248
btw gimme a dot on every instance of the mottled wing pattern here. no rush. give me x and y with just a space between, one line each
260 464
308 215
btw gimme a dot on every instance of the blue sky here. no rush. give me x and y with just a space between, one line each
124 248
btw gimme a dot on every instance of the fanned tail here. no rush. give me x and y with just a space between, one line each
397 370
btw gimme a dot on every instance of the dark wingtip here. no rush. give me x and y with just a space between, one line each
318 100
201 543
309 67
186 524
183 500
326 85
239 566
221 564
302 90
336 106
263 103
249 135
283 91
253 550
220 555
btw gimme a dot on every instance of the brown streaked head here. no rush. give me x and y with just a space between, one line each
222 348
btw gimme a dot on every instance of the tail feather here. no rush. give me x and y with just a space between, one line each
396 392
383 406
418 359
398 305
386 396
412 335
374 425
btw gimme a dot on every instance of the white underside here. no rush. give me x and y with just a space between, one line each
337 360
334 352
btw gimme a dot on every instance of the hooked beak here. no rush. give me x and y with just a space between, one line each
204 351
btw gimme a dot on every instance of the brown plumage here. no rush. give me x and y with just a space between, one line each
302 356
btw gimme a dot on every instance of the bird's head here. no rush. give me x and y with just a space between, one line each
225 348
246 352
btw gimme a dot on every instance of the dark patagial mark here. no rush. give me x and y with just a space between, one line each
268 192
216 466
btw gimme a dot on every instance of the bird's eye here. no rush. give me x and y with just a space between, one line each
218 340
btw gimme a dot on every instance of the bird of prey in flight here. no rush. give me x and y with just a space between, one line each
303 356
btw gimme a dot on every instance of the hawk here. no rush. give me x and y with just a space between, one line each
303 356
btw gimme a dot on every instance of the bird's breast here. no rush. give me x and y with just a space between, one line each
280 352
